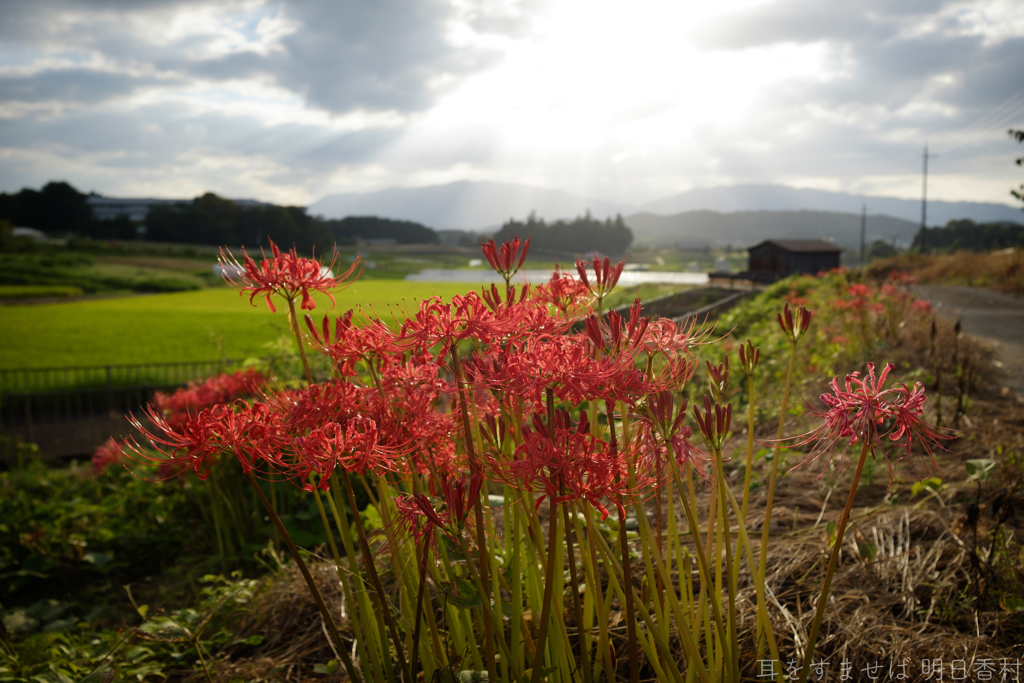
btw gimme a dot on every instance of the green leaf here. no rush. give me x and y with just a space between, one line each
980 469
328 668
101 675
830 529
463 593
98 559
61 624
1012 603
932 483
371 518
19 622
867 551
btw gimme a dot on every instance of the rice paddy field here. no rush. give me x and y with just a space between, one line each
182 326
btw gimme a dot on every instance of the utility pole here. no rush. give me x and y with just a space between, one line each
924 199
863 230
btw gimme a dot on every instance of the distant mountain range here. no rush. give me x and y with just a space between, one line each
782 198
464 205
718 215
746 228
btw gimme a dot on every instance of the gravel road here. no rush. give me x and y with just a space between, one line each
994 317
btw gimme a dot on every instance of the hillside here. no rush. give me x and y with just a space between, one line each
745 228
781 198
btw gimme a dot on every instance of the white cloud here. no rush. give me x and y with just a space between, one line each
289 100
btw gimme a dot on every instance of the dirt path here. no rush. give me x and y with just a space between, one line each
994 317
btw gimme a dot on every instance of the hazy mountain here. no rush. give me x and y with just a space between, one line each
782 198
746 228
719 215
465 205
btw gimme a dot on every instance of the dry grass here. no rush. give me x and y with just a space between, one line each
1002 271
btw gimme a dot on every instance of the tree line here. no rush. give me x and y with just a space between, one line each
966 235
581 235
59 209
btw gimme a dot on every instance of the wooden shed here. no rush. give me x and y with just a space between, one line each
780 258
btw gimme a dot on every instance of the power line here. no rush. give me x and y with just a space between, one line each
1002 114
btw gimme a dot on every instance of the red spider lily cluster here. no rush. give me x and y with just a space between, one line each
111 452
391 411
178 407
535 391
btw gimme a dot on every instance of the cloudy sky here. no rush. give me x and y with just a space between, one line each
631 101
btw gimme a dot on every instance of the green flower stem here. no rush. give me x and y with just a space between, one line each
702 560
478 514
421 566
293 321
549 583
762 612
616 576
371 572
689 644
517 580
332 628
506 655
731 577
361 603
819 612
750 447
634 670
581 633
766 527
602 606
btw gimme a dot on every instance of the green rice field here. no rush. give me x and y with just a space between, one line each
181 326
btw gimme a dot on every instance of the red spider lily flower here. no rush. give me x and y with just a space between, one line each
252 434
466 317
714 428
110 453
350 343
795 327
615 335
287 275
575 465
671 338
718 377
417 508
316 405
353 448
458 498
664 435
458 501
749 357
508 258
859 290
606 275
862 408
492 297
564 292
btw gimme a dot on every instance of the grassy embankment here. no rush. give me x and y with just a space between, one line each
1002 271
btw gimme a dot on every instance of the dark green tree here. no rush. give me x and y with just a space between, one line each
57 209
579 236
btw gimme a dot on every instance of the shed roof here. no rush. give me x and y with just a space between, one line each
802 246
